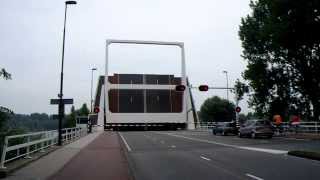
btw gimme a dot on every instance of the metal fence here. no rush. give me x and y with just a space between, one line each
302 127
23 145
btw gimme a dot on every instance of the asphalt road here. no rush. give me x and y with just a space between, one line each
190 155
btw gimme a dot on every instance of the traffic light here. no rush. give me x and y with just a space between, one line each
180 88
238 109
203 88
96 109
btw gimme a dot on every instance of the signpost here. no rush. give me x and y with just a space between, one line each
60 102
64 101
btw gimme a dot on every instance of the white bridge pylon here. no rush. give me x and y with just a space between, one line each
185 116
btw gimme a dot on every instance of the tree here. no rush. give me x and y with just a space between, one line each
71 118
84 111
281 42
215 109
4 112
242 118
5 74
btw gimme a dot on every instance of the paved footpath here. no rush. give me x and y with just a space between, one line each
101 159
96 156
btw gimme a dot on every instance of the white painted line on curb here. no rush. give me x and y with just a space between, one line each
253 176
125 142
271 151
202 157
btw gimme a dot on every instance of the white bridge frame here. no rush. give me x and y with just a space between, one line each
147 118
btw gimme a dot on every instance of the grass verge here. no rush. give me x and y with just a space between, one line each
315 155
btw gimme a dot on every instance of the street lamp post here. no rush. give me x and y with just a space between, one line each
60 95
226 72
91 100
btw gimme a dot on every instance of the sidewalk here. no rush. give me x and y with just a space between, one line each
48 165
101 159
95 156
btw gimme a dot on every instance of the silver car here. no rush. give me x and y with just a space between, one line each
256 128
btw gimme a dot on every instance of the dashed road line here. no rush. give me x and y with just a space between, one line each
271 151
253 176
125 142
202 157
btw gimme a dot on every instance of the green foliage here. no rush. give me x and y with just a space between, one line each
242 118
5 74
70 120
281 42
252 115
83 111
33 122
215 109
3 120
240 89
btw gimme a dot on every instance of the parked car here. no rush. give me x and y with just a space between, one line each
225 128
256 128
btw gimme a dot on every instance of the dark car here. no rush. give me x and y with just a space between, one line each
256 128
225 128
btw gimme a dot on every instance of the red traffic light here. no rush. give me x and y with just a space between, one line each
96 109
203 88
238 109
180 88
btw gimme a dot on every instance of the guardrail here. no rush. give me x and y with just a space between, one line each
23 145
303 127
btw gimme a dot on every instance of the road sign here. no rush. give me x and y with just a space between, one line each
64 101
238 109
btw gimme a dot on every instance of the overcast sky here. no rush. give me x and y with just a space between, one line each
31 43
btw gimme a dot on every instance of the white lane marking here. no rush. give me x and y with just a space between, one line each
125 142
173 146
253 176
202 157
271 151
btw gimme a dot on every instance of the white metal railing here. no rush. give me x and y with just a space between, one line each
204 126
23 145
303 126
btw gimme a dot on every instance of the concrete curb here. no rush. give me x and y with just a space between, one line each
128 158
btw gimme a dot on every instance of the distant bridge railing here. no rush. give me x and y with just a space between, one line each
23 145
303 126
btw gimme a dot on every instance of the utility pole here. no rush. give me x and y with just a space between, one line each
227 78
91 100
60 95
